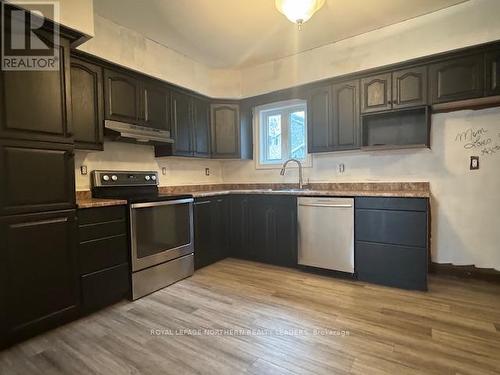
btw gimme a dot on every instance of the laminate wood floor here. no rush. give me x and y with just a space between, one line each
284 322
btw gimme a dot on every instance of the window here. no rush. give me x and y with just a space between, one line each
282 133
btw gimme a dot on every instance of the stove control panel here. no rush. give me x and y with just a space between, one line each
124 178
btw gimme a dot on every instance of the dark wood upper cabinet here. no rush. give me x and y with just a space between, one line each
319 120
457 79
182 124
36 176
409 87
225 124
121 97
36 105
345 111
376 93
492 73
201 128
155 106
87 104
40 273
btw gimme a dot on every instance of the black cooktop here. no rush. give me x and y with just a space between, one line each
135 187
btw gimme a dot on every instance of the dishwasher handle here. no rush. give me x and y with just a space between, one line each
333 205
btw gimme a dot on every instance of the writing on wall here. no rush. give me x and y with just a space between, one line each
481 140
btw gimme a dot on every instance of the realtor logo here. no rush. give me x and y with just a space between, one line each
30 35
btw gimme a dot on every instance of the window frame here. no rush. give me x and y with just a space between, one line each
260 116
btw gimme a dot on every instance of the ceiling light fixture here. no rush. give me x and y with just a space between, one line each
299 11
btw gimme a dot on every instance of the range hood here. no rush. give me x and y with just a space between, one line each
124 132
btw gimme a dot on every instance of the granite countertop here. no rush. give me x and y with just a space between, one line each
371 189
307 192
84 200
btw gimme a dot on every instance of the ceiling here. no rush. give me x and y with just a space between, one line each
237 33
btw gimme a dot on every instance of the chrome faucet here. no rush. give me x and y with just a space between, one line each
283 171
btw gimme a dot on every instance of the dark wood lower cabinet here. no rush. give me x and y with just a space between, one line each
264 229
391 237
211 237
39 272
103 254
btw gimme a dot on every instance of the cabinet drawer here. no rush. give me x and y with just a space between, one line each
101 214
103 253
407 228
101 289
403 204
102 230
36 176
399 266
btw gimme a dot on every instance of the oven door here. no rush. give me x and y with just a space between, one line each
160 231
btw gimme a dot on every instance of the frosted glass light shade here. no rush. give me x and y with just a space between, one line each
299 11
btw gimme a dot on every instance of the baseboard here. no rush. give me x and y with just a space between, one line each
466 272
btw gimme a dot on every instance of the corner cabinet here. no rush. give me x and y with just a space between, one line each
225 130
39 272
457 79
87 104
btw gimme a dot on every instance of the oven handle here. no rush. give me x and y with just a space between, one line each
161 203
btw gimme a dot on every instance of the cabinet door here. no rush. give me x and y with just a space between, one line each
201 128
225 131
121 92
319 120
457 79
240 224
182 124
36 105
221 227
36 176
376 93
285 249
409 87
87 104
493 73
345 110
155 108
203 240
38 256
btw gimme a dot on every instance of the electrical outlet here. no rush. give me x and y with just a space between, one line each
474 163
164 171
83 170
341 168
207 171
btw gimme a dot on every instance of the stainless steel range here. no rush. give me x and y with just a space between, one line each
161 228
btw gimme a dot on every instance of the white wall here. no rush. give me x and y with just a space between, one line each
75 14
465 204
131 157
132 50
466 24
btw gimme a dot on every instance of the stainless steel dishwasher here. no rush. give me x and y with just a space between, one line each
326 233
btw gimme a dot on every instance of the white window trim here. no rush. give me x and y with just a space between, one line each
257 118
